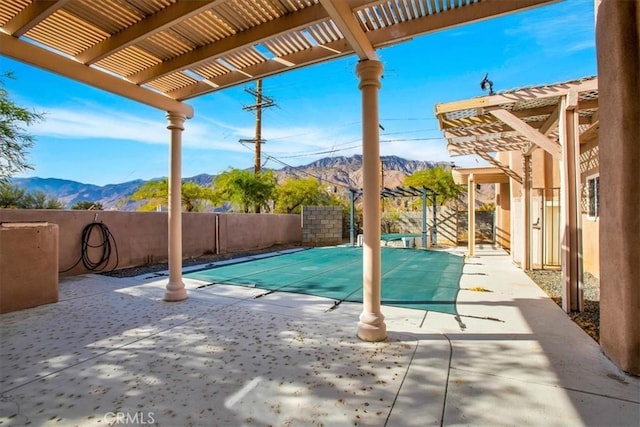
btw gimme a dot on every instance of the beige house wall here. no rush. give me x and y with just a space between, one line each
503 216
589 167
545 174
141 237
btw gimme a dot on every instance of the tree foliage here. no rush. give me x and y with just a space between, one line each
156 193
245 190
87 205
440 180
14 140
16 197
294 193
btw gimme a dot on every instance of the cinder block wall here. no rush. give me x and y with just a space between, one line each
321 225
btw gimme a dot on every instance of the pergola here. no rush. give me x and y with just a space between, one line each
163 52
553 118
399 192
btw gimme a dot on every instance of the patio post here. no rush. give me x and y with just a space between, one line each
526 212
352 222
471 212
434 220
424 218
571 255
175 289
371 326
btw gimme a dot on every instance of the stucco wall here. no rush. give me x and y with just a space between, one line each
503 216
591 245
617 42
589 167
240 232
142 237
32 283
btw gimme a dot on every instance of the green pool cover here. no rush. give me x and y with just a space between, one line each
420 279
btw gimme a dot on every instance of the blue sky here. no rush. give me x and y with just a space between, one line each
94 137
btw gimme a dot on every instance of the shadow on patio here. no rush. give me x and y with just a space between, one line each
112 348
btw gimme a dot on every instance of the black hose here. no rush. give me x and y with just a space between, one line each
105 244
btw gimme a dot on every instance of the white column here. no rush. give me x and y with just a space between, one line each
371 326
471 212
175 289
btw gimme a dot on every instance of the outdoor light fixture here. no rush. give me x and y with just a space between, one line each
487 84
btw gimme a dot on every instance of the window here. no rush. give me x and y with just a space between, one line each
593 196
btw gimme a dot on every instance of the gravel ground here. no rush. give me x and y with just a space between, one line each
589 319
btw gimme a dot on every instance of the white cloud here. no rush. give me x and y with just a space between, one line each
569 24
293 145
93 122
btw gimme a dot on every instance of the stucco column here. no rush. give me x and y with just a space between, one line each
618 49
371 326
471 212
526 212
175 290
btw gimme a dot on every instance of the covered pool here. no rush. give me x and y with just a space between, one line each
419 279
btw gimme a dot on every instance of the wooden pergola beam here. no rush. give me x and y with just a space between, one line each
47 60
547 127
239 41
342 15
504 168
528 132
517 96
31 16
156 23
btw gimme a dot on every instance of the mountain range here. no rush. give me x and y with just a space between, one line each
334 171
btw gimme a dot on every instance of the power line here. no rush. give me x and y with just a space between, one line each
335 150
297 168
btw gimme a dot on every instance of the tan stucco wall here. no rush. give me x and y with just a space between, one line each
240 232
28 265
589 166
618 50
591 245
141 237
503 216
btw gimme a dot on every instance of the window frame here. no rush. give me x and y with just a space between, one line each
593 196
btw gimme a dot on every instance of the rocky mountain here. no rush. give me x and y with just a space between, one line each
343 171
69 192
347 171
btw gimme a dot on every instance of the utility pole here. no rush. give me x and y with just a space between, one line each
262 101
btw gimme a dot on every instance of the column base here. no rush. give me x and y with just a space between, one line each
175 291
371 327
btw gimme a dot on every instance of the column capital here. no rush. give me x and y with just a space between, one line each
175 120
369 72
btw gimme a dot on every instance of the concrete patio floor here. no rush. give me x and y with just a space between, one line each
112 352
